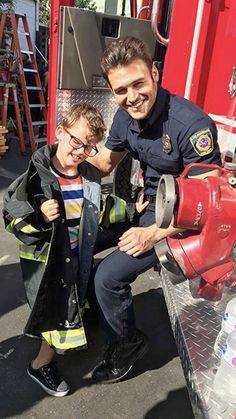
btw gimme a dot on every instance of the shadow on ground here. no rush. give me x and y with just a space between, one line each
13 163
18 393
176 406
11 282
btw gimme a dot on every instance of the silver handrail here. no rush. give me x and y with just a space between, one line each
141 10
154 23
41 55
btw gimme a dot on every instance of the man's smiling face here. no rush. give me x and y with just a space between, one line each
134 87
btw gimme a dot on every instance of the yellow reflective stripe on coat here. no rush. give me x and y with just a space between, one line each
28 252
25 227
10 226
117 213
28 229
65 339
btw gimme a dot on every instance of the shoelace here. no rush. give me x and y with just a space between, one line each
50 373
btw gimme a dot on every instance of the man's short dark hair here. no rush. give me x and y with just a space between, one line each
122 52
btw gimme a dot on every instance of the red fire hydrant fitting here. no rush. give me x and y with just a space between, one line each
206 210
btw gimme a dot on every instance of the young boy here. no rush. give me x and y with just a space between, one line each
53 210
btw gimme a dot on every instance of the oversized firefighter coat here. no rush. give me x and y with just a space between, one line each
54 294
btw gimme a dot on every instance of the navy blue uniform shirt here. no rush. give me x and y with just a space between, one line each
192 137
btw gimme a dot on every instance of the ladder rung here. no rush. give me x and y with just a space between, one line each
29 70
40 140
33 88
36 123
7 31
23 33
36 106
9 85
20 14
9 102
6 50
26 52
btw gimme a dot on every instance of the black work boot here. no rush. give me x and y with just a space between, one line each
120 357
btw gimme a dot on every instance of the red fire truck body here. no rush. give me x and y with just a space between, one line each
198 61
194 44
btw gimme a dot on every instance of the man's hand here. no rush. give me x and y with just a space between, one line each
138 240
50 210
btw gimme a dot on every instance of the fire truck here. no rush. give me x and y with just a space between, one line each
194 46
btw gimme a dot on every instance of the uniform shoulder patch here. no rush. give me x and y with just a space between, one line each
202 142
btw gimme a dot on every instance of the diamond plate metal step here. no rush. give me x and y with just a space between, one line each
195 324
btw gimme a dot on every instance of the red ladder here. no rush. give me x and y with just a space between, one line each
14 21
5 95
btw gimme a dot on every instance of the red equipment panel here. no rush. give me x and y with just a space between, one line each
201 52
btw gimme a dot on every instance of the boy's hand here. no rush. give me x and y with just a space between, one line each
50 210
140 205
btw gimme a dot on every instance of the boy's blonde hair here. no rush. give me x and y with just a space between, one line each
92 116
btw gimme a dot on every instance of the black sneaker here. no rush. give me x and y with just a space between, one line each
48 378
119 358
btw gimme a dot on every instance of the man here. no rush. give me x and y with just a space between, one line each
165 133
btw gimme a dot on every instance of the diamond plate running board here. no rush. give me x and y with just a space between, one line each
195 324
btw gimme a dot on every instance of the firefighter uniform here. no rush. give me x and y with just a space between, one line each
175 134
54 290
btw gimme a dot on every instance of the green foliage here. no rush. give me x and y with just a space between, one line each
6 5
44 11
44 8
86 4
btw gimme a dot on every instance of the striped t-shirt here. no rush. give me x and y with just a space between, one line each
72 193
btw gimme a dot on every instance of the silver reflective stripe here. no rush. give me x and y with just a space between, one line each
65 339
21 225
28 252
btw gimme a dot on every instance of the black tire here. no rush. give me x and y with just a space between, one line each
122 186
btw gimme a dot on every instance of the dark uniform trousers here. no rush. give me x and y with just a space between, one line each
113 276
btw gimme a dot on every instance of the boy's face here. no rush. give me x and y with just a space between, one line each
134 87
69 139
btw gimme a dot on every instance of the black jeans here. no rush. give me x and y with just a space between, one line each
112 279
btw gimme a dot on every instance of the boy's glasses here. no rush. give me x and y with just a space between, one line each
76 143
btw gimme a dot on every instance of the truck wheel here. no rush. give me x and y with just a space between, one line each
122 186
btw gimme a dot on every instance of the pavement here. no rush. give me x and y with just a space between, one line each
154 389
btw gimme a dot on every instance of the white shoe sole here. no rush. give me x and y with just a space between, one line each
51 392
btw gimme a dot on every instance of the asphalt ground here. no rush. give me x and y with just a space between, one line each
154 389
